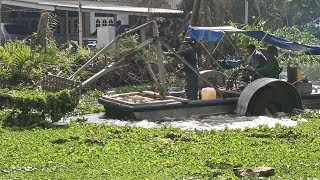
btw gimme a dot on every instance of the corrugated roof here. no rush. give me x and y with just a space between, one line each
92 6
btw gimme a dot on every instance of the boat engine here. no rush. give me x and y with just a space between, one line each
294 75
268 95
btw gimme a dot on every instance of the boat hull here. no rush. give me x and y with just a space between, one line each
176 109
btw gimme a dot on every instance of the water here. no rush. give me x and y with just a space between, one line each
229 121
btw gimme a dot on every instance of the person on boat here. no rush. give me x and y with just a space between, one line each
188 52
119 28
256 58
271 69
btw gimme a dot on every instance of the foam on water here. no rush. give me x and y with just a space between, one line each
196 123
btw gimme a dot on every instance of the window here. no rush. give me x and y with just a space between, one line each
104 22
16 29
98 23
111 22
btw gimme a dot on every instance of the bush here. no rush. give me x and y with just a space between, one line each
27 107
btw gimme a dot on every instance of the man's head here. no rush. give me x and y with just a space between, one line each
187 42
271 52
118 23
251 48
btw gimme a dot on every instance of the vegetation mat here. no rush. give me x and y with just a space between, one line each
89 151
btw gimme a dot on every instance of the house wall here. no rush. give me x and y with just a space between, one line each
167 4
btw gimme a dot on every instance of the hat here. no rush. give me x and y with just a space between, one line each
188 40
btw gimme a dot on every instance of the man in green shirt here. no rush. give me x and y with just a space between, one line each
271 69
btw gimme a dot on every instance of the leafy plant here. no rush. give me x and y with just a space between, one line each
33 107
93 151
88 104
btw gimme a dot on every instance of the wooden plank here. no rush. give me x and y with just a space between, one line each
162 70
93 58
136 29
122 94
136 103
178 99
151 93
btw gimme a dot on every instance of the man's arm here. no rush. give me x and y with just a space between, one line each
261 60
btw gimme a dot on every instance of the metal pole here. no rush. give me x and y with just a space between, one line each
246 11
0 22
67 27
80 24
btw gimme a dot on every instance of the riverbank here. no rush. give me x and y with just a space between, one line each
90 151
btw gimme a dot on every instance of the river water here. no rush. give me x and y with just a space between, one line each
230 121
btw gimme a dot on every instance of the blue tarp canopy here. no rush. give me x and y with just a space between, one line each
215 34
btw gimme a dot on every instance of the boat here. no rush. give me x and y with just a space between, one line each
150 105
264 95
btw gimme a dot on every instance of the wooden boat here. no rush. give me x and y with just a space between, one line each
149 105
143 105
260 96
265 94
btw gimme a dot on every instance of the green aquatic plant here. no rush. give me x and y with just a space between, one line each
94 151
31 107
88 104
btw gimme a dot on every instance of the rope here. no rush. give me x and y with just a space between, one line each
255 49
312 72
237 52
218 44
207 51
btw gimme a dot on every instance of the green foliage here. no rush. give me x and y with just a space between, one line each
301 36
140 88
108 152
29 107
17 65
312 29
23 66
297 35
87 104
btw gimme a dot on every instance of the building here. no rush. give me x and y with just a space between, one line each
96 13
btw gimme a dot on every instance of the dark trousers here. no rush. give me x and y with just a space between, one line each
191 85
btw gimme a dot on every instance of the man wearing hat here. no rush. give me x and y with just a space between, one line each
187 51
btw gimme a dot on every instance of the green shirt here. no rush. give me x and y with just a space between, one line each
270 69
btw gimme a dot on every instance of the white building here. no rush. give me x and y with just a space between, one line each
96 13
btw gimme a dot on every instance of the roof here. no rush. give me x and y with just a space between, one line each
215 34
89 6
